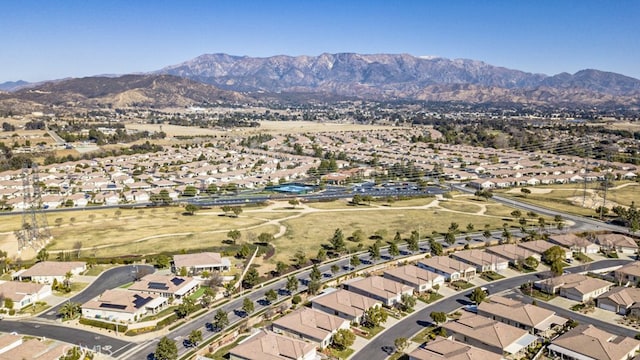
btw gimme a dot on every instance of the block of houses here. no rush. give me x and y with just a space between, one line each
617 242
628 274
122 305
575 243
385 290
587 342
451 269
268 345
576 287
345 304
199 262
24 293
310 325
482 261
532 318
34 349
619 300
513 253
9 341
490 335
166 285
447 349
46 271
419 279
540 246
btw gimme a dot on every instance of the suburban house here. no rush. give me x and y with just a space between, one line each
540 246
23 293
420 279
447 349
385 290
311 325
268 345
619 299
451 269
199 262
46 271
166 285
513 253
576 287
529 317
590 343
9 341
575 243
490 335
34 349
628 274
617 242
482 261
122 305
345 304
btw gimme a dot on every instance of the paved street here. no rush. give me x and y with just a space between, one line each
412 324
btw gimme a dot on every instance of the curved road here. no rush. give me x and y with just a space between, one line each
44 325
412 324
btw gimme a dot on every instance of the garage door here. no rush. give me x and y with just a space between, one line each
606 306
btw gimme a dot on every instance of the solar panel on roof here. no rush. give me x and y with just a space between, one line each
177 281
157 286
113 306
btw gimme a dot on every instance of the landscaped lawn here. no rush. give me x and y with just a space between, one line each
491 276
461 285
197 293
582 257
428 297
341 354
371 332
425 334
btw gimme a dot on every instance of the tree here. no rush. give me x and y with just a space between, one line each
470 227
225 209
300 258
292 284
342 339
393 249
190 191
478 295
234 235
313 287
195 336
43 255
237 210
322 255
251 278
506 235
531 262
8 303
244 251
374 251
212 189
374 316
408 302
271 296
166 350
450 238
247 306
400 343
184 271
265 238
335 269
553 254
556 268
397 238
207 297
294 203
69 310
191 209
337 241
354 261
525 192
357 235
487 234
220 320
438 317
186 307
281 267
356 199
315 273
516 213
436 248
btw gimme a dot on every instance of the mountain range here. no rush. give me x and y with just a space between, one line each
213 78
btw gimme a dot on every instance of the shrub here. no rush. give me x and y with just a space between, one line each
103 325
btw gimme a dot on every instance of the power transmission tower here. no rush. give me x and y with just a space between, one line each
35 228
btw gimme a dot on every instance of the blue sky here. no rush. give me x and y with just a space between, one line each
43 40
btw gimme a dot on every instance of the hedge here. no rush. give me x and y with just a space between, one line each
103 325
